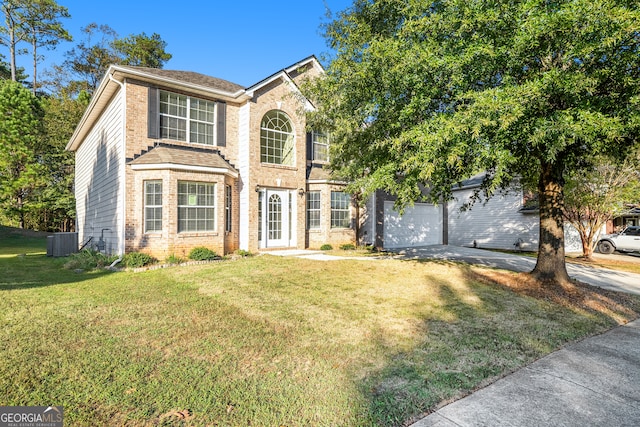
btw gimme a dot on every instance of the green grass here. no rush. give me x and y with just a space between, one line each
265 340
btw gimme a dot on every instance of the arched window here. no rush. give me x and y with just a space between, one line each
277 139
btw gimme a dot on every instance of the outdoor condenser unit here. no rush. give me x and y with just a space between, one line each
62 244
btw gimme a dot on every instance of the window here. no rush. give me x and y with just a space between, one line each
152 206
275 217
196 206
276 139
227 209
340 209
260 195
313 209
182 116
320 143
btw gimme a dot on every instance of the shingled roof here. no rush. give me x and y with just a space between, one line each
183 156
190 77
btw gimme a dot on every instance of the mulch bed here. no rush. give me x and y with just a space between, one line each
576 295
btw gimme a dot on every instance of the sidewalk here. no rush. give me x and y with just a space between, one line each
595 382
608 279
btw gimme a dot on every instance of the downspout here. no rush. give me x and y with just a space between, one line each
122 173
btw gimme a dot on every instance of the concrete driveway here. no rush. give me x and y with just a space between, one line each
603 278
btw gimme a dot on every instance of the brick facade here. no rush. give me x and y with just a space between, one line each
279 93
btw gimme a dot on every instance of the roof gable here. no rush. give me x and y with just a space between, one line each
190 77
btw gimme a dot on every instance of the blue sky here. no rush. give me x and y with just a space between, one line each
240 41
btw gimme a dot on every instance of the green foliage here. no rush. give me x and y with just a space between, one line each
326 247
142 50
243 253
137 259
88 259
174 259
202 254
348 247
598 193
435 92
87 63
21 147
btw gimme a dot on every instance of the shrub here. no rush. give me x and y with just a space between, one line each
326 247
174 259
244 253
137 259
348 247
88 259
202 254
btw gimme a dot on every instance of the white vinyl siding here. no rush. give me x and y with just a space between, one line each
99 178
499 224
496 224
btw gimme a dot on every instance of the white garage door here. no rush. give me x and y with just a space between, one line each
420 225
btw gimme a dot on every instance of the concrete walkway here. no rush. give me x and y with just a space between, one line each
601 277
319 255
595 382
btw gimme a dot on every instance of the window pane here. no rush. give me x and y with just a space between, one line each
320 146
152 206
196 206
340 209
182 116
277 140
313 209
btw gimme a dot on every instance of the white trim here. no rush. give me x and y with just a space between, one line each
174 166
246 193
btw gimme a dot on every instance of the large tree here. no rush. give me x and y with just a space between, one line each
435 91
597 194
101 47
21 166
12 31
142 50
55 201
42 27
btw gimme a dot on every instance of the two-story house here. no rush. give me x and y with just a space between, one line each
170 160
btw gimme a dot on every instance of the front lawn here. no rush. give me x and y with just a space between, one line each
272 341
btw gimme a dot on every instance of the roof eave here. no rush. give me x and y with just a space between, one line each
116 76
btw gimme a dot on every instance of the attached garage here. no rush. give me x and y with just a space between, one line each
420 225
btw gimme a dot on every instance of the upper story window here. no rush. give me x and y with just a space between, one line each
184 118
277 140
320 144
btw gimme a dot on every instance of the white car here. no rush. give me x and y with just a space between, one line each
628 240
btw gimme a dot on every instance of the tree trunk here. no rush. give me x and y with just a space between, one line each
551 265
34 46
12 54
